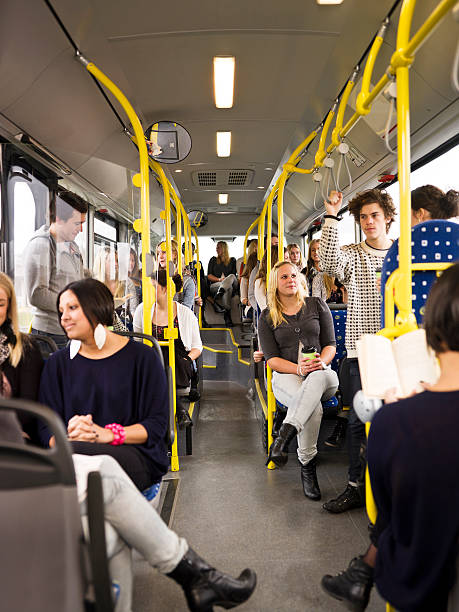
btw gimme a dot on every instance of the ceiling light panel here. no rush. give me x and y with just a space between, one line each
329 1
223 198
223 144
224 68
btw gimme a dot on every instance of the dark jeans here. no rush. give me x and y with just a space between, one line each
142 472
356 429
60 339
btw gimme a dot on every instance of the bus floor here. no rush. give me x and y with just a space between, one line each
238 514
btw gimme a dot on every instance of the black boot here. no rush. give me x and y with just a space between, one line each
335 439
205 586
228 319
309 480
352 586
279 417
349 499
183 417
278 453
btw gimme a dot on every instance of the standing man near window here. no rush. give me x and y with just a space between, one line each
52 259
356 266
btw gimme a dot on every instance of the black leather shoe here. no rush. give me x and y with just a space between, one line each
352 586
194 395
205 586
339 431
278 452
309 480
349 499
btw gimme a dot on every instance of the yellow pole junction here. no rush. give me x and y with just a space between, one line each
335 142
321 153
144 226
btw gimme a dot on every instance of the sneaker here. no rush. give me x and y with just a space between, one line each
353 586
349 499
194 395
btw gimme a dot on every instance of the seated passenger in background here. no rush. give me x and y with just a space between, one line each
106 270
412 453
187 294
329 289
110 392
295 255
52 259
251 248
313 263
244 281
137 525
135 274
290 323
21 362
253 274
260 281
223 284
188 345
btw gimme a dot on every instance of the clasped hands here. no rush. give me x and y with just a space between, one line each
306 366
81 428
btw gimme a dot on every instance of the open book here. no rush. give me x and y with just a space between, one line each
403 364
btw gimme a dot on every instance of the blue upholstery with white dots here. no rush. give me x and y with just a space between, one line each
339 323
431 242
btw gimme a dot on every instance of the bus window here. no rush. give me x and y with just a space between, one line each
23 228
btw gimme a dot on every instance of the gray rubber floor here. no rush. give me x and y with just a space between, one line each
237 514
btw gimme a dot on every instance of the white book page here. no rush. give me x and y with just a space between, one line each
378 370
415 361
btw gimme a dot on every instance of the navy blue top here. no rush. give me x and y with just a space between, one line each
413 458
128 387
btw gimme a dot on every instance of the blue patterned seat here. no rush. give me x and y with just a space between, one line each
339 323
435 241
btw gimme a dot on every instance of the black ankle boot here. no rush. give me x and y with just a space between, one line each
309 480
183 417
352 586
278 453
279 417
205 586
336 437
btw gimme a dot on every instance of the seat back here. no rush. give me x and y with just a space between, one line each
435 241
42 542
339 314
170 435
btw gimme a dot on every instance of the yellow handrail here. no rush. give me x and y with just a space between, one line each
247 234
341 110
321 153
362 104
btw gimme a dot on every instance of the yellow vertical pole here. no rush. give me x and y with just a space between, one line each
198 275
247 234
170 334
269 372
403 295
280 214
178 233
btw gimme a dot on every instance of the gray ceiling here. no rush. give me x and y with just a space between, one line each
292 59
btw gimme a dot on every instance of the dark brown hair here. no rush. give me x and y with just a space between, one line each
373 196
161 277
95 298
441 319
439 205
64 204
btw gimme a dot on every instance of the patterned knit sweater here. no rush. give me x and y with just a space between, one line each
355 266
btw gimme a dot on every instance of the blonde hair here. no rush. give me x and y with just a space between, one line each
274 303
225 258
174 248
16 351
100 275
252 248
294 245
328 281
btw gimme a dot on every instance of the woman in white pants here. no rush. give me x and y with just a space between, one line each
291 323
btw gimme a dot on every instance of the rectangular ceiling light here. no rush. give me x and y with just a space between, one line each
329 1
223 144
224 81
223 198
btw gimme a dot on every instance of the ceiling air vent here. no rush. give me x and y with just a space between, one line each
222 178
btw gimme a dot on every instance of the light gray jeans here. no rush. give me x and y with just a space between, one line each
131 522
228 284
303 397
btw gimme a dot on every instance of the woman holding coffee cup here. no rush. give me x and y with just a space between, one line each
298 341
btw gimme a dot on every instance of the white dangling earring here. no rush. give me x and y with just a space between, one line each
100 336
74 347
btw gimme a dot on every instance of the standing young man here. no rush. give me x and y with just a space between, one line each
356 266
51 261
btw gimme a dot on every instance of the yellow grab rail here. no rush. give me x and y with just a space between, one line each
321 153
362 104
342 107
247 234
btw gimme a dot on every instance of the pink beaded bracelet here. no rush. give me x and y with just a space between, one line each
119 433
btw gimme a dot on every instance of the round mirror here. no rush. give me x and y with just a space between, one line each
198 218
168 142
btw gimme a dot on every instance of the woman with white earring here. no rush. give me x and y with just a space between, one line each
110 392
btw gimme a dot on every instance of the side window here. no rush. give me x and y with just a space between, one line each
347 229
24 214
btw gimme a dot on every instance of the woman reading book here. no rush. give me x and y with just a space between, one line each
291 323
412 453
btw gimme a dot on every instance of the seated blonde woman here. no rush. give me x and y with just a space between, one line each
223 284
